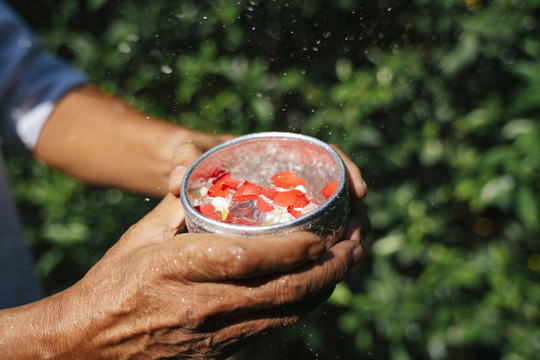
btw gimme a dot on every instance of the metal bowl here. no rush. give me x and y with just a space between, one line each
260 155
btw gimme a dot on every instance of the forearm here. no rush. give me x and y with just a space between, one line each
32 331
103 141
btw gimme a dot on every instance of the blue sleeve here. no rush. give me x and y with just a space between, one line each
31 81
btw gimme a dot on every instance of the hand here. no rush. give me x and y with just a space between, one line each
194 295
160 294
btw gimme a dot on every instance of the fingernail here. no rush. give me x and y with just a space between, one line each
357 254
356 235
179 171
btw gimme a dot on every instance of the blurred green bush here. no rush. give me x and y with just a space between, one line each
437 101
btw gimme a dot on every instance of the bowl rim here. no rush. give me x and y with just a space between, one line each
219 226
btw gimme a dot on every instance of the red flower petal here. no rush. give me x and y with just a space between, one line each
294 212
286 198
246 190
264 206
294 198
270 193
329 189
301 201
242 198
219 189
207 210
287 179
223 178
215 173
229 180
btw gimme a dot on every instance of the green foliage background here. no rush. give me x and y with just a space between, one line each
437 101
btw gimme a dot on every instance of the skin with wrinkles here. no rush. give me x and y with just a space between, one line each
193 296
159 293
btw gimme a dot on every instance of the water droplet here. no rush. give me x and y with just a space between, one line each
124 48
166 69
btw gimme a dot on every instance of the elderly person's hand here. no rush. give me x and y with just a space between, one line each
160 295
157 294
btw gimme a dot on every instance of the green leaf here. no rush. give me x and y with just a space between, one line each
263 110
341 296
96 4
497 190
527 207
463 55
48 261
389 245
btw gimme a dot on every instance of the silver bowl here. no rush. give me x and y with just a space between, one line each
258 156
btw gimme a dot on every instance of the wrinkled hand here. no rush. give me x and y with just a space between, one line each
157 294
196 295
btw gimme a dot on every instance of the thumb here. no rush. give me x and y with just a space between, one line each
166 220
184 155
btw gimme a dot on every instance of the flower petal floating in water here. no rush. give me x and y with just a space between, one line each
329 189
287 179
264 206
247 191
294 198
215 173
228 180
207 210
270 193
218 189
294 212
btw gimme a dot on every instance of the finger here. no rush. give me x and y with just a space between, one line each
206 142
357 185
359 226
354 230
248 326
229 332
183 156
300 284
210 257
278 290
165 221
313 277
